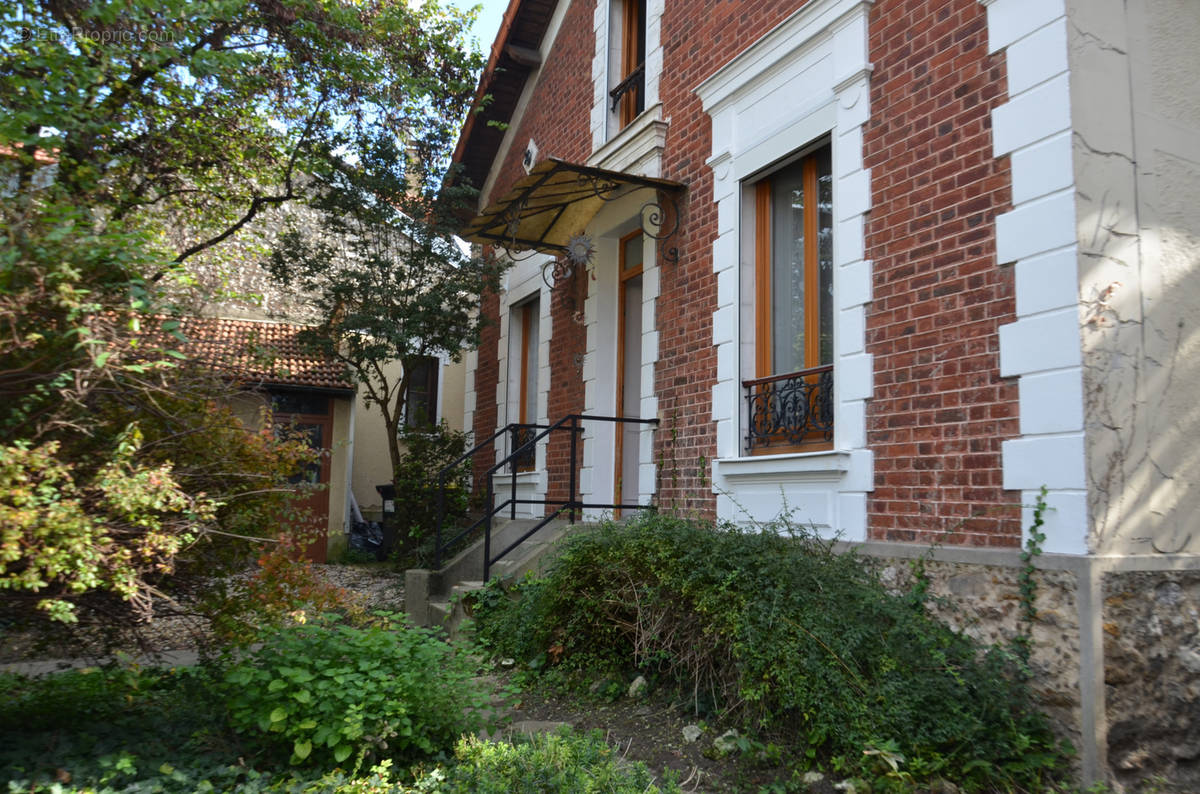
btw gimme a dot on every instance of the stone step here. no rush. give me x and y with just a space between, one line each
430 596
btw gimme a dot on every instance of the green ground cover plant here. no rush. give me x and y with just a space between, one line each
127 730
324 691
563 762
775 632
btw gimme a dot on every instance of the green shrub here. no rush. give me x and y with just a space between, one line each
115 729
428 450
326 691
565 763
777 632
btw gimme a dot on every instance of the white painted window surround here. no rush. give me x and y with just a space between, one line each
1042 348
805 80
604 123
522 283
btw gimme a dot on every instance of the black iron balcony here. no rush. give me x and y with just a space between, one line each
789 411
633 82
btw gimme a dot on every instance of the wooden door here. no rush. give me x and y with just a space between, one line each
315 426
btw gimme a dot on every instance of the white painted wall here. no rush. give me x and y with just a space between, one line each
1037 237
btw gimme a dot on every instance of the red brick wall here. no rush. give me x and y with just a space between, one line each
486 377
558 115
557 118
567 346
940 409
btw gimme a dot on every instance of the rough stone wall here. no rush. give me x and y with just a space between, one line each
1136 147
983 601
1152 675
940 409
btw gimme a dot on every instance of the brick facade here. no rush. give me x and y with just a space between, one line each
487 375
940 409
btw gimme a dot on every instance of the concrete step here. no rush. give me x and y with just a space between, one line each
434 598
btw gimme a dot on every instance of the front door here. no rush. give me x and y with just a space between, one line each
307 416
629 369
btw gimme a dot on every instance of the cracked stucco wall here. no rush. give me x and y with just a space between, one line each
1135 103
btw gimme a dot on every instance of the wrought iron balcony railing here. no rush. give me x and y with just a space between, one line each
790 410
633 82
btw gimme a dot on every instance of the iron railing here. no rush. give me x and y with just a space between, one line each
634 82
790 410
570 424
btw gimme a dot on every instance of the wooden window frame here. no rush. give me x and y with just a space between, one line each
411 420
763 283
529 313
633 56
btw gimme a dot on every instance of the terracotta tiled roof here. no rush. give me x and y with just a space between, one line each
261 352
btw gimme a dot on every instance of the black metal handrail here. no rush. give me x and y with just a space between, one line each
569 423
446 470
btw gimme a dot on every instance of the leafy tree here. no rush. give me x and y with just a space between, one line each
377 257
135 138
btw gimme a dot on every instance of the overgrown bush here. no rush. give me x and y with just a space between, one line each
109 729
775 631
325 691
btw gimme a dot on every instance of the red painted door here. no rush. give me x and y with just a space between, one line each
316 428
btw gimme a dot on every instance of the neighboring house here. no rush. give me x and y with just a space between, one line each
891 266
313 395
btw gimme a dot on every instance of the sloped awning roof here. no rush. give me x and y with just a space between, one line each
555 202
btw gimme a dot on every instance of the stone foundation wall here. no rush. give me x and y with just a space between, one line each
1152 675
1116 649
983 601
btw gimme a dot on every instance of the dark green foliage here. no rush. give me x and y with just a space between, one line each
428 450
777 632
113 727
153 730
1026 581
325 691
140 139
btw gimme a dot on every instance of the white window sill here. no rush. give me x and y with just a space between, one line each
637 148
791 466
524 478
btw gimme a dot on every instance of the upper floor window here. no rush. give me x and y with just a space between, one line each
790 399
628 59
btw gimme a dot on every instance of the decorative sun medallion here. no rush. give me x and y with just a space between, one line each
580 250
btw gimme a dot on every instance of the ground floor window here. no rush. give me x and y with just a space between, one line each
523 331
790 398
